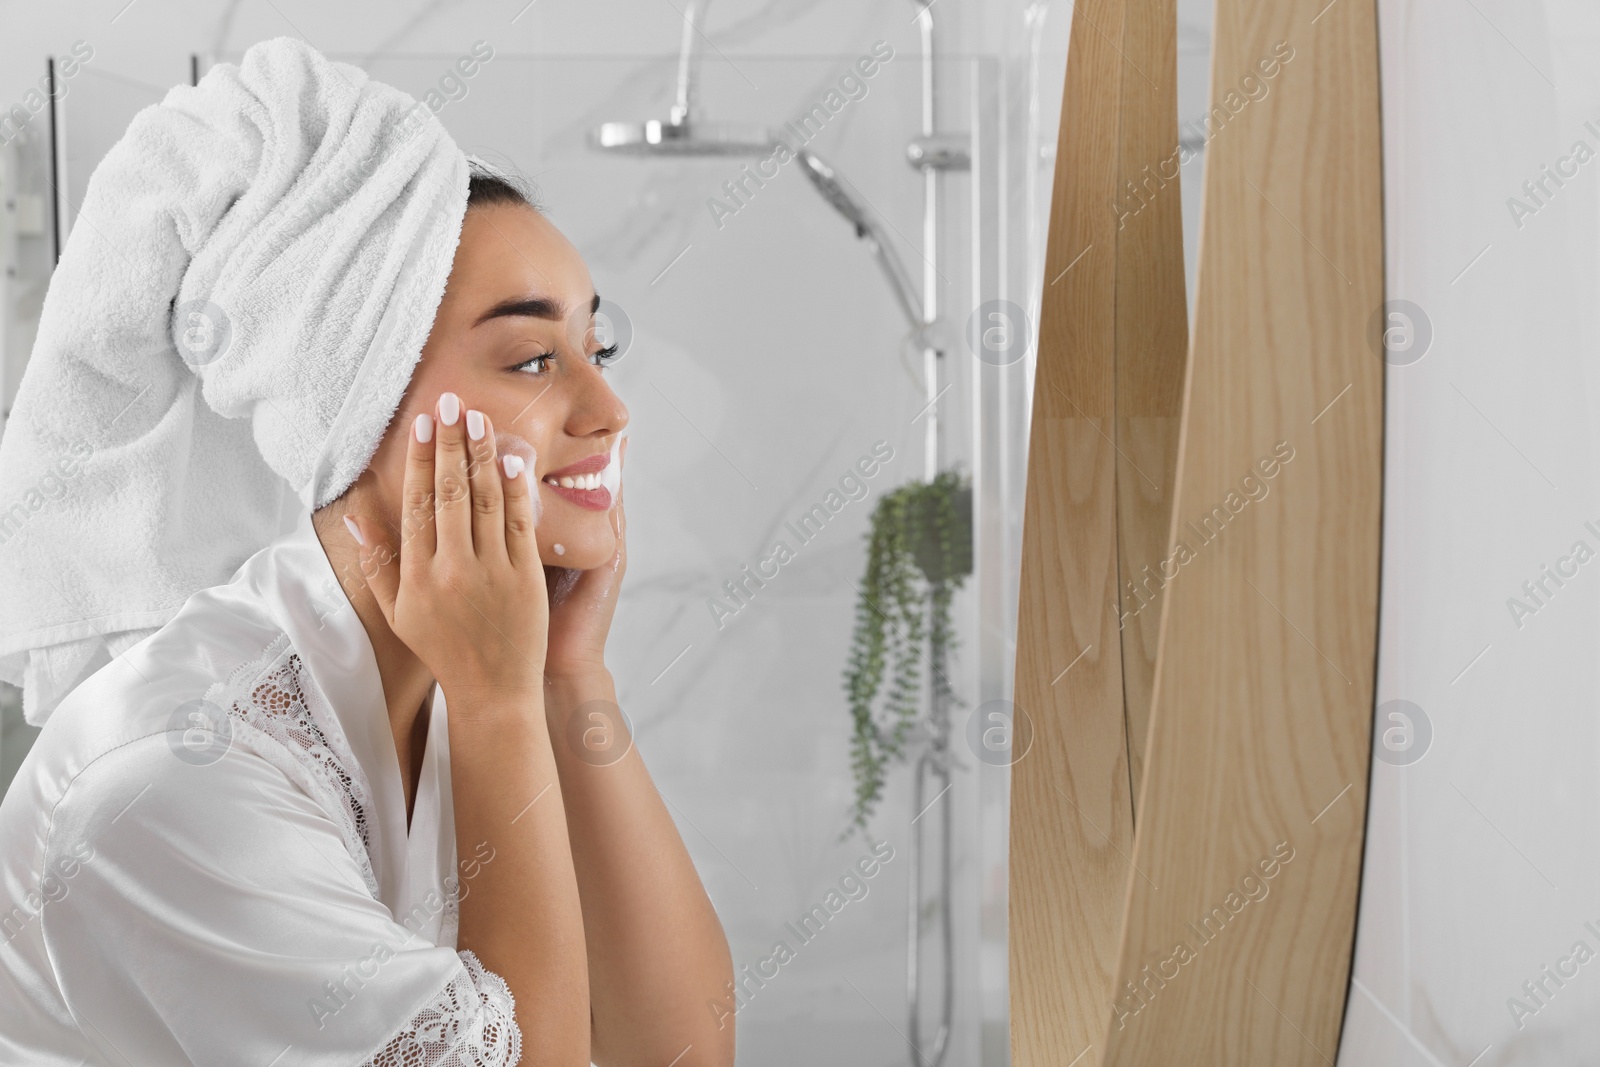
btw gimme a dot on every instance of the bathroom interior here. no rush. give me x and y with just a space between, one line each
782 336
788 324
833 349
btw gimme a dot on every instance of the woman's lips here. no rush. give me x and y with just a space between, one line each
588 492
592 465
593 499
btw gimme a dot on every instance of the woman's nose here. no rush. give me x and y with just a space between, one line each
597 409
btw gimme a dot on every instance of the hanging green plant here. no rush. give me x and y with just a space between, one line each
919 552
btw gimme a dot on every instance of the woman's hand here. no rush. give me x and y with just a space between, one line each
466 589
580 623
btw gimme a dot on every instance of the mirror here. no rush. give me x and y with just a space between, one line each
1178 732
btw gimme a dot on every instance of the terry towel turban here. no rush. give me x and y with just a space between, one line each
244 296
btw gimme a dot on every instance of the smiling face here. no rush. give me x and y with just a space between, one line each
514 338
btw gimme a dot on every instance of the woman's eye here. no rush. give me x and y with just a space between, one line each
537 364
604 356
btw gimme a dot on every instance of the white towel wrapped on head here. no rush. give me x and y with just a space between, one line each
245 294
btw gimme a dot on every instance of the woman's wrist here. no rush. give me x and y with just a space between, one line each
576 677
580 707
495 702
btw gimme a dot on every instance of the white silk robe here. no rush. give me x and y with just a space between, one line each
205 857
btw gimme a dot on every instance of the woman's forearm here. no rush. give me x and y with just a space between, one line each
520 913
658 957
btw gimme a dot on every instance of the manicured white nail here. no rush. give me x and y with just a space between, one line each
424 427
475 425
512 465
449 408
355 531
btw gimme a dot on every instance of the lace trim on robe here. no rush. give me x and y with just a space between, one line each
472 1022
276 696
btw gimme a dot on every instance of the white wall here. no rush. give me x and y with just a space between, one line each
1481 860
141 40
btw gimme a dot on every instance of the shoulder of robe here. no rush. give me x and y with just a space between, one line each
147 847
182 797
144 716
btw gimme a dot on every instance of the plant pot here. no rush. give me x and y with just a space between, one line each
925 547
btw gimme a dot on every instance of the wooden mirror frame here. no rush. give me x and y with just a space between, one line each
1236 703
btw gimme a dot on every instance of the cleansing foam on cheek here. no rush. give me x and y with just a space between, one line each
509 444
611 477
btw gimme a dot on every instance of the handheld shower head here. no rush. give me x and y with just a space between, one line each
828 182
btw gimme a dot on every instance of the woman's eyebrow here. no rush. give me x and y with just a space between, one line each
537 307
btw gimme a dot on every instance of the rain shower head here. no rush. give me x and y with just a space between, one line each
683 134
685 138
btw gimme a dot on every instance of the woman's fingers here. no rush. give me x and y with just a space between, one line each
416 521
488 499
452 504
521 511
451 594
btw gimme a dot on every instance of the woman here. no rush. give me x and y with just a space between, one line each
371 801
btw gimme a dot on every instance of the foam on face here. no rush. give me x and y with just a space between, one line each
509 444
611 477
